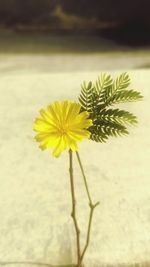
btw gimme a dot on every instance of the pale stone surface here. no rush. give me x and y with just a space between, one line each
34 187
24 63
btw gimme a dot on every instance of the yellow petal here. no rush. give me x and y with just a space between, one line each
58 149
73 111
61 126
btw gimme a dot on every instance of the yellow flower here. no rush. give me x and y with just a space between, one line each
61 126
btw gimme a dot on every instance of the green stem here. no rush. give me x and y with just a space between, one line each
92 207
84 177
73 214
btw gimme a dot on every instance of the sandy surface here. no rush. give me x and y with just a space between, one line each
34 187
68 62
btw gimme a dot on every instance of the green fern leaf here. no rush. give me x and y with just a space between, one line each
97 98
101 130
122 82
85 96
122 97
108 89
117 116
104 81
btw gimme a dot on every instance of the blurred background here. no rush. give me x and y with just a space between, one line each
90 35
47 48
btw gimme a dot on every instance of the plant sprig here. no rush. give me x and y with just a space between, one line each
97 99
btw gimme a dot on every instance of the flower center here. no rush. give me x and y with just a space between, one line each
63 129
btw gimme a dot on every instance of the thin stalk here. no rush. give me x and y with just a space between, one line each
92 207
73 213
84 177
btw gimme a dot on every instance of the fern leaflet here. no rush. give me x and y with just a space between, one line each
97 98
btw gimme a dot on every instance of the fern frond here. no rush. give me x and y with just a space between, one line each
117 116
104 81
85 96
101 130
97 135
122 82
96 99
122 97
107 88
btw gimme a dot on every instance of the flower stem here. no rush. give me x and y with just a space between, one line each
73 213
92 207
84 177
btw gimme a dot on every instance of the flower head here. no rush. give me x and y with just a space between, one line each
61 126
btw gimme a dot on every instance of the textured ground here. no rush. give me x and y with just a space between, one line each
70 62
34 187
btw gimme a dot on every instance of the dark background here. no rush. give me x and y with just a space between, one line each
125 21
